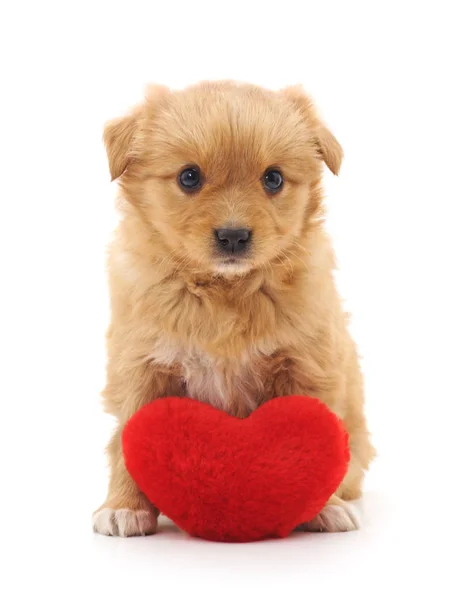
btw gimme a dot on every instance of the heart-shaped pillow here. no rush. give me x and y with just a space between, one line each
235 480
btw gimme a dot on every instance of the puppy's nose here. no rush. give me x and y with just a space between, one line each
233 240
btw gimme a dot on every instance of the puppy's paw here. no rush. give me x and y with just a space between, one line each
124 522
334 517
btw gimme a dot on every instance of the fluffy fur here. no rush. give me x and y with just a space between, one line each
184 322
209 473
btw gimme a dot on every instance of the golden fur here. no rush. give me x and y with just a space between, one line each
184 323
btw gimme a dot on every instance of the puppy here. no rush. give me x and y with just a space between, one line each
221 273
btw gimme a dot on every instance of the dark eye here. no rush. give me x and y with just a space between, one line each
190 179
273 180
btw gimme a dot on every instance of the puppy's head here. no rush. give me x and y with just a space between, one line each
228 174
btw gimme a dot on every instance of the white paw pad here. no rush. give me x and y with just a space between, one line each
334 518
124 522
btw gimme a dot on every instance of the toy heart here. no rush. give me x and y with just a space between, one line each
227 479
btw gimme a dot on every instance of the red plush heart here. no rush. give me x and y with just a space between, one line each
227 479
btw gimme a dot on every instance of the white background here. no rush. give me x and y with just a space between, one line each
388 77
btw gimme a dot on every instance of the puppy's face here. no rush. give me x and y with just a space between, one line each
228 174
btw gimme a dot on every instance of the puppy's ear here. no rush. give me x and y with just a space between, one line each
332 152
328 146
122 136
118 139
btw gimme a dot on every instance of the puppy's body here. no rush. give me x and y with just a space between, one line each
189 319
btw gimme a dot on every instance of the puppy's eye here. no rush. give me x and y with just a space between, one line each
273 180
190 179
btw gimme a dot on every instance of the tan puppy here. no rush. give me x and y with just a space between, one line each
221 273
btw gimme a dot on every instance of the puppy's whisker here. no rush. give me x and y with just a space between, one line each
299 258
284 265
305 250
265 267
289 270
186 262
169 258
277 257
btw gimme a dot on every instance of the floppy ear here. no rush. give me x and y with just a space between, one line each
121 137
118 139
327 144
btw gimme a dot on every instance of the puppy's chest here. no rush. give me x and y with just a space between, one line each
235 385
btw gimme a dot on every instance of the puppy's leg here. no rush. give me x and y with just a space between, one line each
342 392
338 514
361 448
131 384
362 453
126 512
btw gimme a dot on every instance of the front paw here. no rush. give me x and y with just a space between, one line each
336 516
124 522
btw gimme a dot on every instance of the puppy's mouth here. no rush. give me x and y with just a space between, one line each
232 265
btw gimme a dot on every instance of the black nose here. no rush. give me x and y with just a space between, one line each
233 240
